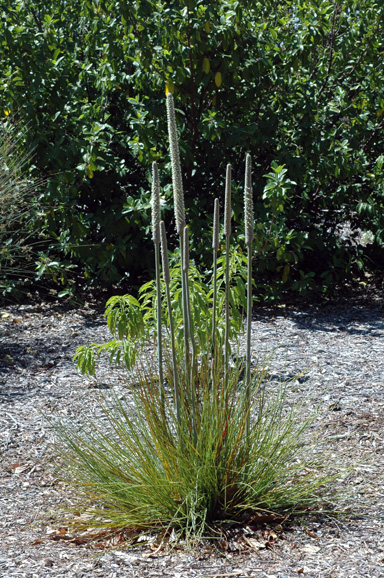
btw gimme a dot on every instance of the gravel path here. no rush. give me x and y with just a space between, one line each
342 347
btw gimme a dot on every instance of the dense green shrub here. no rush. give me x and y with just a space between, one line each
298 84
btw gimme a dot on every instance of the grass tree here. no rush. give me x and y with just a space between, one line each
205 447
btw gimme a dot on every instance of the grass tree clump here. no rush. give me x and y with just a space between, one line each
204 443
150 471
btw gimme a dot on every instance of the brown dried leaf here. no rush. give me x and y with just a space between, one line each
20 469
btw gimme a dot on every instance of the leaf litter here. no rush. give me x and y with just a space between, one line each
342 345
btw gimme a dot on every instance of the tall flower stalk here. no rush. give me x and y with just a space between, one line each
156 240
248 217
227 233
215 247
177 182
188 300
192 369
167 280
178 197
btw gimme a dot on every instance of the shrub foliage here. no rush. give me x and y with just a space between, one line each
296 83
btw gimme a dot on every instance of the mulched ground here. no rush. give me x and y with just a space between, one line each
342 347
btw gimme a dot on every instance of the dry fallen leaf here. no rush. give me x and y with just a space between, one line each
20 469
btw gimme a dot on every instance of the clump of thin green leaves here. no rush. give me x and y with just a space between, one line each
206 440
149 467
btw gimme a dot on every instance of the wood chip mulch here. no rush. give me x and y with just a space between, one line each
341 346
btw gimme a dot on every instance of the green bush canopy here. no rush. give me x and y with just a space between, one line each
298 84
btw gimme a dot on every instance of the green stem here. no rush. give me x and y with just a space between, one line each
249 329
214 307
167 280
158 320
226 336
184 293
191 370
227 233
249 234
215 247
174 361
